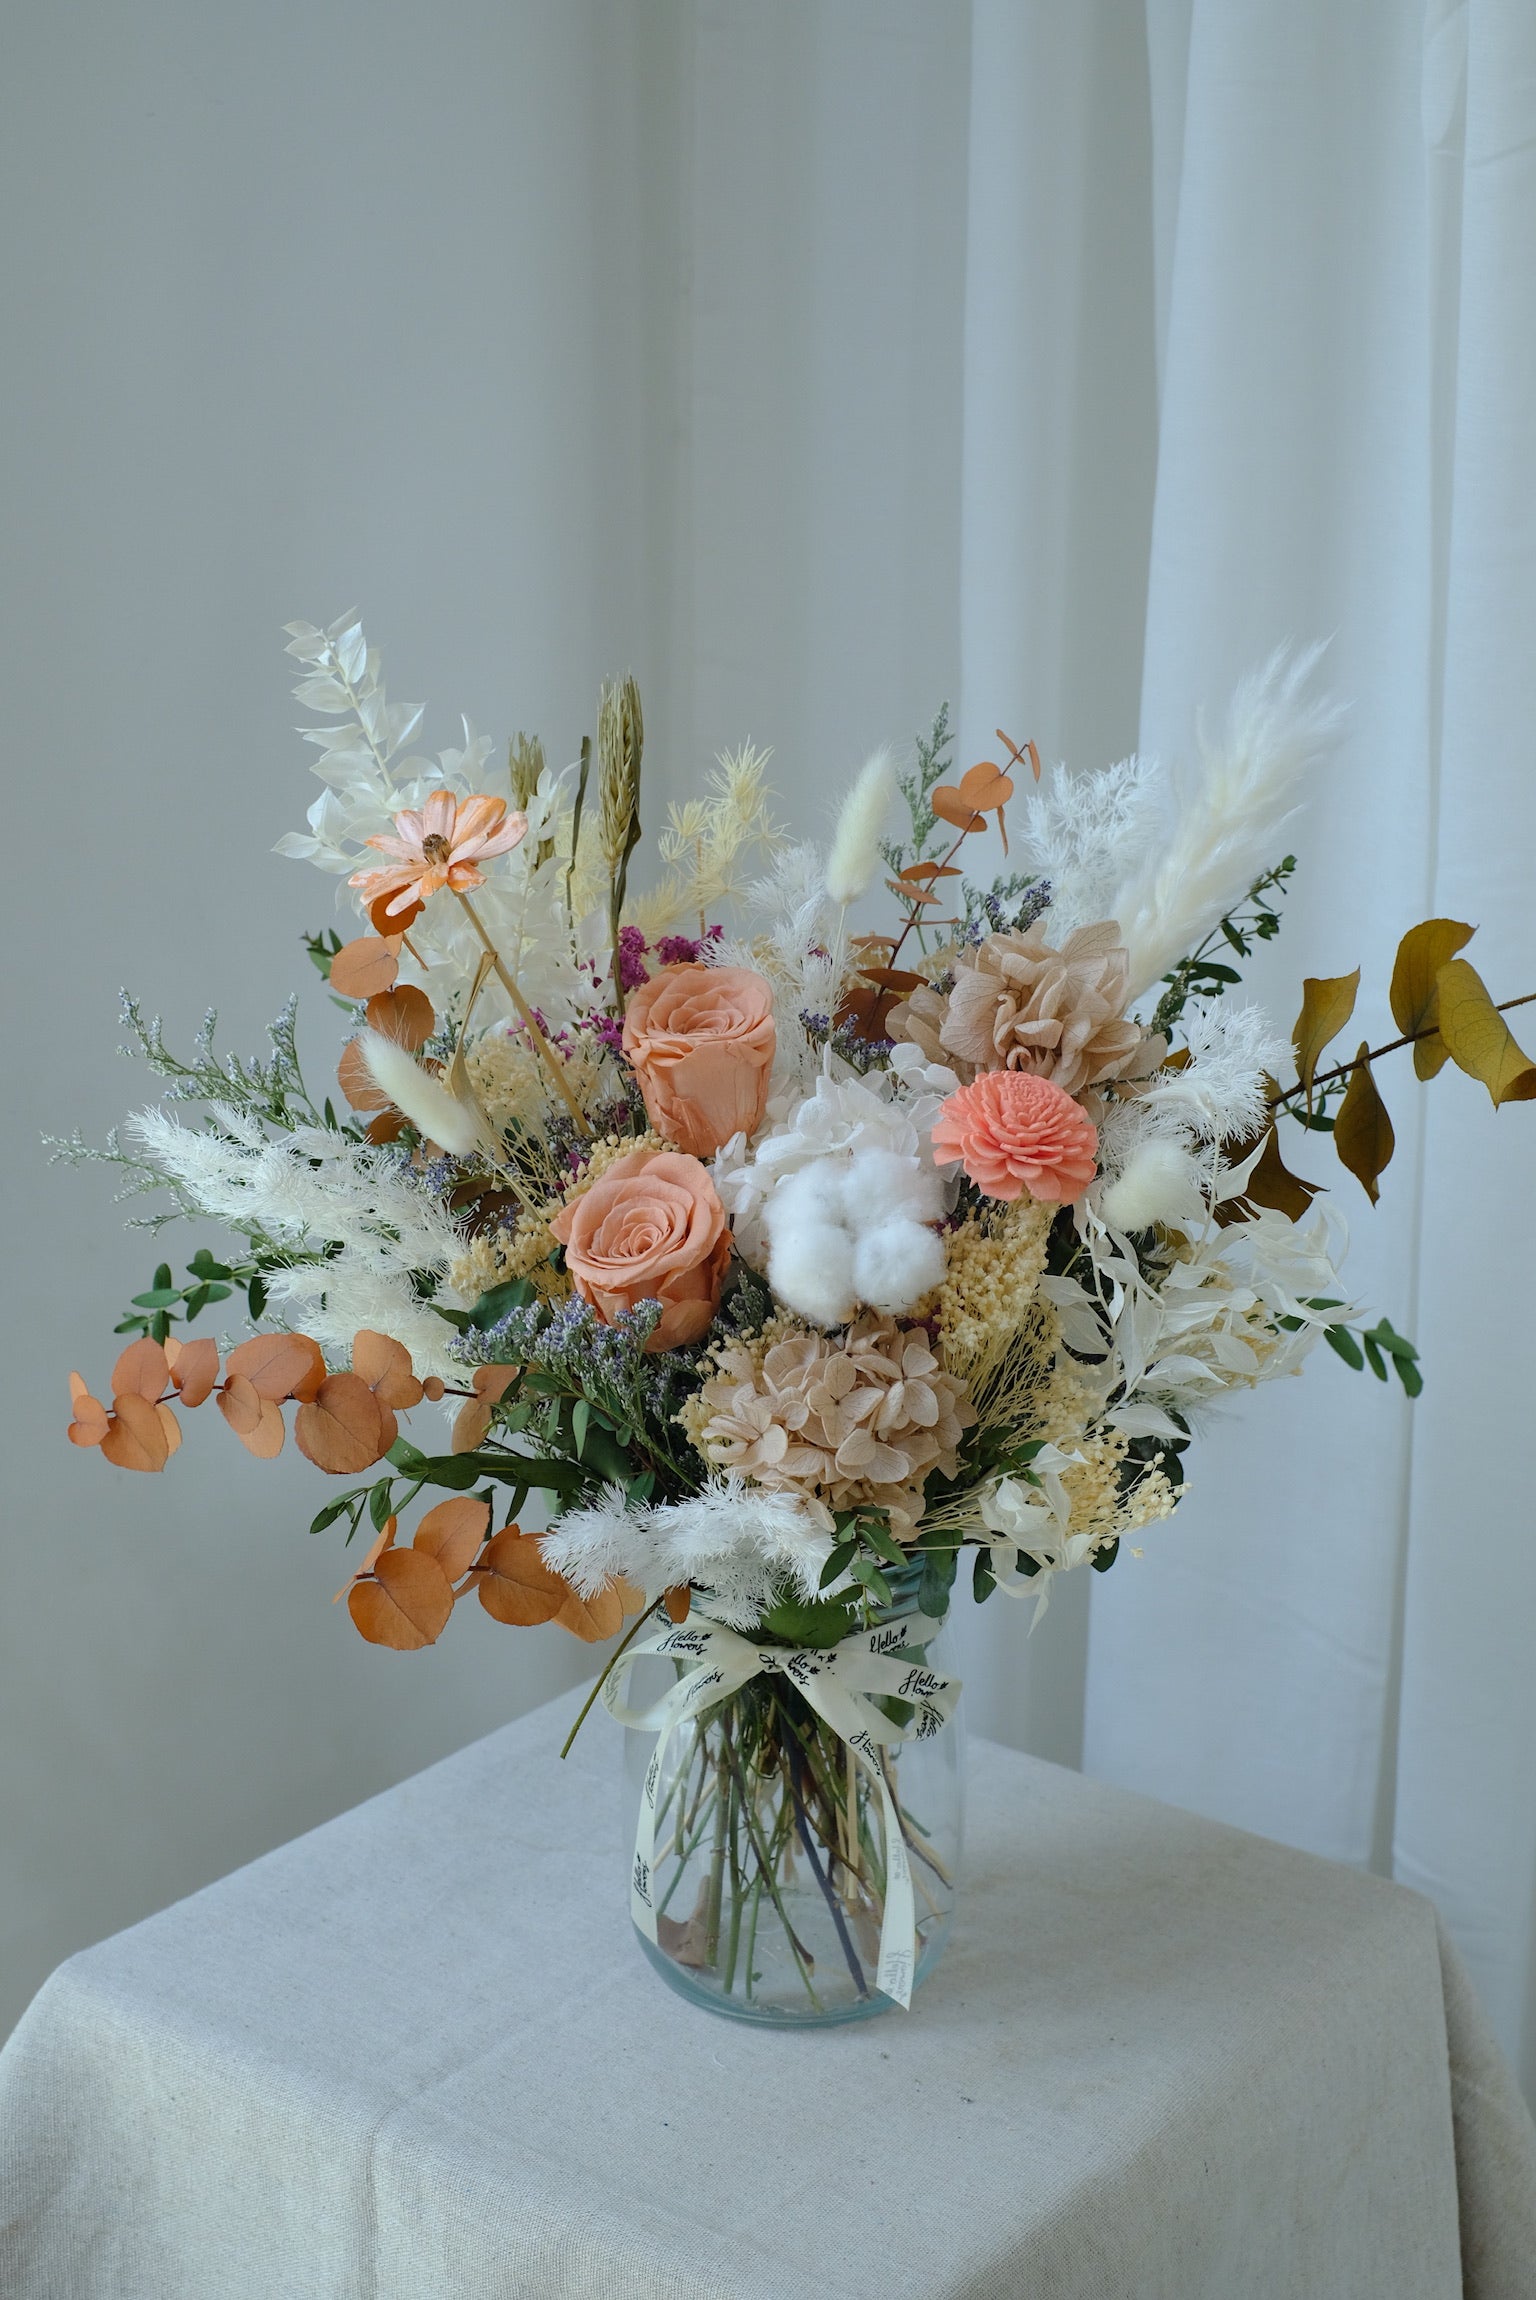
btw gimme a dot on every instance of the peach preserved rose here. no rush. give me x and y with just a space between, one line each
701 1042
650 1229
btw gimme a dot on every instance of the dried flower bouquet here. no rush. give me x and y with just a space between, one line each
790 1264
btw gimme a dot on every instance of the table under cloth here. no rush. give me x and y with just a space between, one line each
417 2053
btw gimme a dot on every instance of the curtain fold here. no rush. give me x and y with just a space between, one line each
1465 1812
1060 445
1330 1643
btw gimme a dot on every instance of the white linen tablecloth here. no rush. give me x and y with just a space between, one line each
418 2053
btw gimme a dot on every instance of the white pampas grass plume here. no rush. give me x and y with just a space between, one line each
1224 816
437 1115
855 855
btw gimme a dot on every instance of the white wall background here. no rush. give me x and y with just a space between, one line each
818 362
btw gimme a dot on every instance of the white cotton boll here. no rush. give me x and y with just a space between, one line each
810 1254
813 1193
436 1114
1160 1182
852 1227
810 1268
896 1264
855 856
888 1185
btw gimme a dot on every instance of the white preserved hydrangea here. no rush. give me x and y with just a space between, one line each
838 1200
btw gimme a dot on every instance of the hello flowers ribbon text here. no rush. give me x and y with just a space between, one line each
838 1684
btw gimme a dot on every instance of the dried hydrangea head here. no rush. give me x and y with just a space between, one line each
842 1422
1019 1004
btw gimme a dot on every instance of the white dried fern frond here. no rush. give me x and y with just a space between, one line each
746 1545
790 930
310 1191
1085 833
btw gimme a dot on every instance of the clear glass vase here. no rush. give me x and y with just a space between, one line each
769 1868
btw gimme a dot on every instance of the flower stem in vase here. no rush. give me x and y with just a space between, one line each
767 1858
797 1771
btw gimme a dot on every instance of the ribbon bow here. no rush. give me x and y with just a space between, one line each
838 1684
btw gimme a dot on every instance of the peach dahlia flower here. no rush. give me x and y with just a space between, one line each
1012 1132
437 846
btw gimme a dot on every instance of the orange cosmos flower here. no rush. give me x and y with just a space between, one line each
439 846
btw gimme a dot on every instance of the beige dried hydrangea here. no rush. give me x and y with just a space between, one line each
524 1250
1018 1004
842 1423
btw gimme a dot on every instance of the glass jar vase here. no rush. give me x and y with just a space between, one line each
765 1862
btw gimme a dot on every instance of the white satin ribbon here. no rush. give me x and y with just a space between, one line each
838 1684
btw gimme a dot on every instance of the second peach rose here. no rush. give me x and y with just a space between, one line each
701 1042
652 1229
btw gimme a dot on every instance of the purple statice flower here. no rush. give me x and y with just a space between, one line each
608 1031
991 913
685 949
632 967
861 1054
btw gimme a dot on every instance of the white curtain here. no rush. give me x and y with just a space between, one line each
819 361
1332 1642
